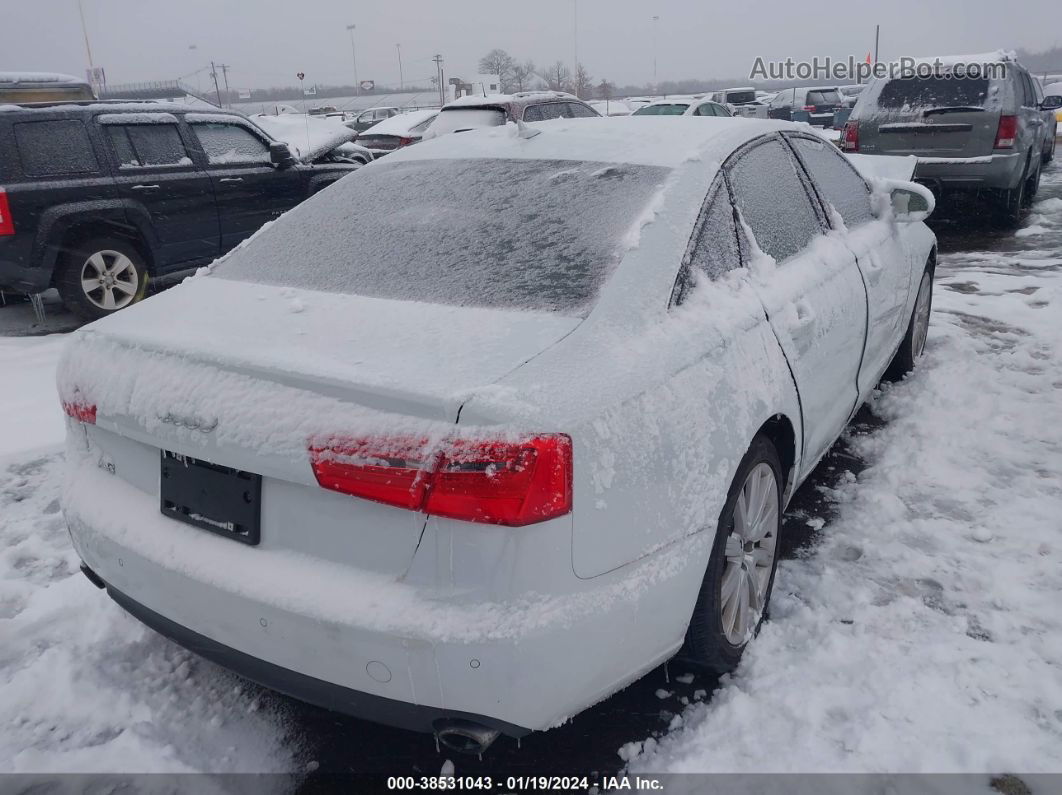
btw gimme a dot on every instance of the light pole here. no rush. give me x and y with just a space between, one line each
656 25
575 44
354 55
401 80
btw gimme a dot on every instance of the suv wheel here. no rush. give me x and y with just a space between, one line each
1010 203
1032 186
732 602
102 276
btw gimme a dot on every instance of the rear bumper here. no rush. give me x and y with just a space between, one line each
998 171
18 278
324 694
384 648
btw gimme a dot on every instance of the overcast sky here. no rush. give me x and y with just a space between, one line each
268 41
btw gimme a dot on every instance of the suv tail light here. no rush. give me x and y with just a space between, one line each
512 482
810 108
80 411
851 136
7 223
1006 132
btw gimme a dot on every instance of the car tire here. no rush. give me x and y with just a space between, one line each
743 561
1032 186
914 341
116 266
1010 205
1049 153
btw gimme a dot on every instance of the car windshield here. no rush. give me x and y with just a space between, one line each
454 119
674 109
519 234
740 97
934 92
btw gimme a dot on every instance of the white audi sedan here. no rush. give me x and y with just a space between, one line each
492 427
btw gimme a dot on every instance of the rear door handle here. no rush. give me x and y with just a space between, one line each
145 187
231 179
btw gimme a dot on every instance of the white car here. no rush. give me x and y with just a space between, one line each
683 107
404 129
478 436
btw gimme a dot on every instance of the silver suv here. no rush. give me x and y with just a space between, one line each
986 134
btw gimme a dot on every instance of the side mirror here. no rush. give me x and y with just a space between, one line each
280 156
1051 103
910 201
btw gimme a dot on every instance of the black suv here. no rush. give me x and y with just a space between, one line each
95 197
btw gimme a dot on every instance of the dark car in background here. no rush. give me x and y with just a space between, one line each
396 132
97 197
985 134
370 117
815 105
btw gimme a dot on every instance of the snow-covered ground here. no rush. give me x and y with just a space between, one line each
923 632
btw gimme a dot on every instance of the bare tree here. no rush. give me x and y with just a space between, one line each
583 83
500 63
605 90
559 76
522 74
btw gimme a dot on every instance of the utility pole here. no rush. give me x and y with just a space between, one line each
88 49
354 55
439 70
214 74
877 32
656 25
575 44
401 80
224 67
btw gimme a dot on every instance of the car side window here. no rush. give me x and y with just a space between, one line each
552 110
577 111
714 250
54 148
838 182
1027 89
148 145
772 200
230 143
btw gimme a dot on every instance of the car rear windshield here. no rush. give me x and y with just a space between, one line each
661 110
454 119
934 92
740 97
827 97
518 234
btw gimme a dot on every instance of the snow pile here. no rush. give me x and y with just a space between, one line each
923 633
32 418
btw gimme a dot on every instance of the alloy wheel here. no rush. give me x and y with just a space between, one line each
109 280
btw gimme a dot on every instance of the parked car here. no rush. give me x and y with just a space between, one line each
977 134
741 101
22 87
315 139
1052 97
370 117
849 94
481 453
398 131
469 113
96 197
817 103
610 107
696 107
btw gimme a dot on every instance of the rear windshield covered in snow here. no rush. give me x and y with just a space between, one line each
519 234
934 92
455 119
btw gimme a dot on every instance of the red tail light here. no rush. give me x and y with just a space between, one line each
1006 132
82 412
503 482
405 141
851 136
7 223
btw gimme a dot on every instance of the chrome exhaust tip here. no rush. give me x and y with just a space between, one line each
465 736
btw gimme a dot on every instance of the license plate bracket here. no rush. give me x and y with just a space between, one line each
214 498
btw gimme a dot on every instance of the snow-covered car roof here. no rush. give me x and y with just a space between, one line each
668 141
402 123
309 137
1053 90
476 101
15 78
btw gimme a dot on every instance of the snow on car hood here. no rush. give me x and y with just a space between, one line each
416 359
308 137
401 124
